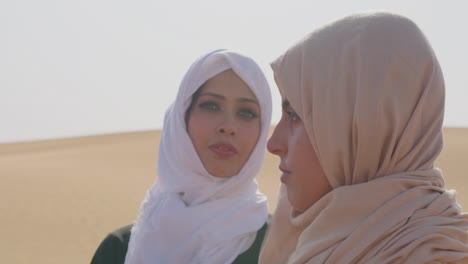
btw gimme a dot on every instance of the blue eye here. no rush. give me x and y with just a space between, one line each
209 105
247 113
292 115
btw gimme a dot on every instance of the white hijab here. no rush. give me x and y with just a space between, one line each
188 215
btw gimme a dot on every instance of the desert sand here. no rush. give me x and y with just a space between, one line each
59 198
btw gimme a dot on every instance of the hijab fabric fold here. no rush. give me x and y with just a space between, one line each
188 215
370 92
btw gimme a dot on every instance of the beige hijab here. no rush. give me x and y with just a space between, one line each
370 92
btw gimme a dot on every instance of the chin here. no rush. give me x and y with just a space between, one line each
222 173
297 208
296 212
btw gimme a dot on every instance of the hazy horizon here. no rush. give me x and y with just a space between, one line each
73 68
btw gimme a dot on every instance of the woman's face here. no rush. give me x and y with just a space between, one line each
224 124
302 174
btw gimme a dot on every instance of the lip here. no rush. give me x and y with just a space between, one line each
223 150
285 174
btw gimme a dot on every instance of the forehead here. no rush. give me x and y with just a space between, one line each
228 84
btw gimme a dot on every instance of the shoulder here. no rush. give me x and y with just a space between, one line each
251 255
114 247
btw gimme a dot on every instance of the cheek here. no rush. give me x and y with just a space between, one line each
312 180
197 127
303 159
297 154
307 162
250 134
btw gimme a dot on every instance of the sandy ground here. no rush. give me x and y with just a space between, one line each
59 198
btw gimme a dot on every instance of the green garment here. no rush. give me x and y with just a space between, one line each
114 248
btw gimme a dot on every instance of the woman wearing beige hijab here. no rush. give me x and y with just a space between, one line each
363 105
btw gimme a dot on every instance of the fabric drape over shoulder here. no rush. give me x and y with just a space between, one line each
370 92
188 215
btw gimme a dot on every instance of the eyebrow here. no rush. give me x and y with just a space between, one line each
242 99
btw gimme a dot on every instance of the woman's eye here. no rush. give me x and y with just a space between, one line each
292 115
212 106
247 113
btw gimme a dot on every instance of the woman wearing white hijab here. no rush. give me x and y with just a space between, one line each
363 105
205 206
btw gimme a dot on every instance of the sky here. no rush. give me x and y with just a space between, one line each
74 68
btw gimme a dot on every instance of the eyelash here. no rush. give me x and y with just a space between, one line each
244 113
292 115
247 113
211 106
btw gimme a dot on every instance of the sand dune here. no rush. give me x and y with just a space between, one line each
59 198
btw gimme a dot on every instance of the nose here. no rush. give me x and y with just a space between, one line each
227 131
227 128
277 143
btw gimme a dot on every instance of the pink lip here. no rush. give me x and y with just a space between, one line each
223 150
285 174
